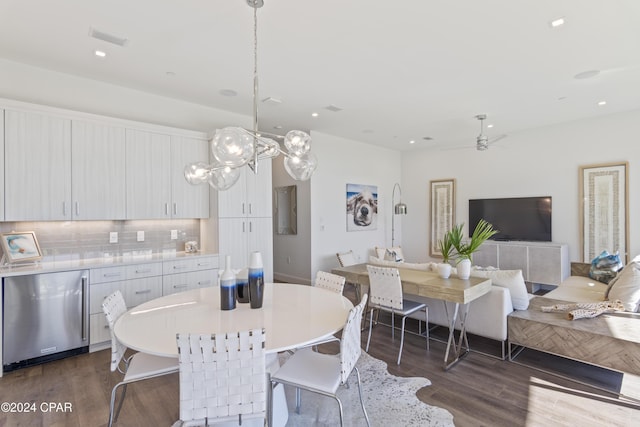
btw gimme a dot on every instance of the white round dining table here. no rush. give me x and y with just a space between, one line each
292 315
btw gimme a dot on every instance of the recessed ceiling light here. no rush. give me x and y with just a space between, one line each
489 126
557 23
602 103
586 74
228 92
413 141
314 114
99 53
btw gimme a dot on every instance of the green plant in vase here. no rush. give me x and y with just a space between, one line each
465 249
445 245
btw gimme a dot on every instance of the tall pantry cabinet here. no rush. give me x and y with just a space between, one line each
245 219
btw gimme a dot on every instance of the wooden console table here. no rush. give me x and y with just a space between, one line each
611 340
429 284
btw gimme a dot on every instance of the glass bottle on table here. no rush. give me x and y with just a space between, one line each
256 280
227 287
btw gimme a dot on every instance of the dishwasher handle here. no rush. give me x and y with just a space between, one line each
85 308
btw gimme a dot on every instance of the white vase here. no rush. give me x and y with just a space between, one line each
444 270
464 269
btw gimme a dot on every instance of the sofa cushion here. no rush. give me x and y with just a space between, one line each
578 289
626 286
510 279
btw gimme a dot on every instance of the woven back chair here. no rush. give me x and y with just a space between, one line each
385 286
329 281
325 373
222 377
346 259
139 366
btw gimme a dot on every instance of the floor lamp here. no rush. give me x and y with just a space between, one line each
398 209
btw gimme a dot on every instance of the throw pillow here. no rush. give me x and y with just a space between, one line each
390 255
605 267
510 279
382 252
626 287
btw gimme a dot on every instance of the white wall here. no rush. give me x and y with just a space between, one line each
538 162
292 253
341 162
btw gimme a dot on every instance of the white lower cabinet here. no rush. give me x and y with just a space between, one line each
143 282
190 273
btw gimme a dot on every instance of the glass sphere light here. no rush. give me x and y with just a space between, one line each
196 173
301 167
223 178
232 146
297 142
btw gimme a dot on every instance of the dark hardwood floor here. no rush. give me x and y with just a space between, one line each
479 391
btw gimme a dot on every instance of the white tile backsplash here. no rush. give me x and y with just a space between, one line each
75 240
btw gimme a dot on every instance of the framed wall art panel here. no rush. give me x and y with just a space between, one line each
604 210
442 195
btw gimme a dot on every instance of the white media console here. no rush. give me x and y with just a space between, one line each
542 263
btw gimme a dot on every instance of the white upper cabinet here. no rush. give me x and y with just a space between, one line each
62 165
250 196
37 167
148 175
188 201
98 171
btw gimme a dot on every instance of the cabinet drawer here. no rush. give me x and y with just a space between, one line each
107 274
144 270
137 291
181 282
190 264
97 294
126 272
98 329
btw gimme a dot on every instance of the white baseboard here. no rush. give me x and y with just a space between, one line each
286 278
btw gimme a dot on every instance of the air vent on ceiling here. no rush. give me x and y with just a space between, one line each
333 108
106 37
272 100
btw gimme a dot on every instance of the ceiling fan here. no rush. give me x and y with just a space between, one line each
483 141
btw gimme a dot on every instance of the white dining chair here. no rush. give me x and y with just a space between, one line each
223 378
325 373
329 281
346 259
137 367
386 295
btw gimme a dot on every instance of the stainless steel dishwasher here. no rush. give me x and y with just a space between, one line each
45 317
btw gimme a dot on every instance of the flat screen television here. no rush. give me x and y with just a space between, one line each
517 218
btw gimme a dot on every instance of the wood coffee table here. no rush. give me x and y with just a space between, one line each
611 340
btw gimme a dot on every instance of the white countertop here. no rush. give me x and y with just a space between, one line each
79 264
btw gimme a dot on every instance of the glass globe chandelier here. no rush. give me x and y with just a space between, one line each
235 147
